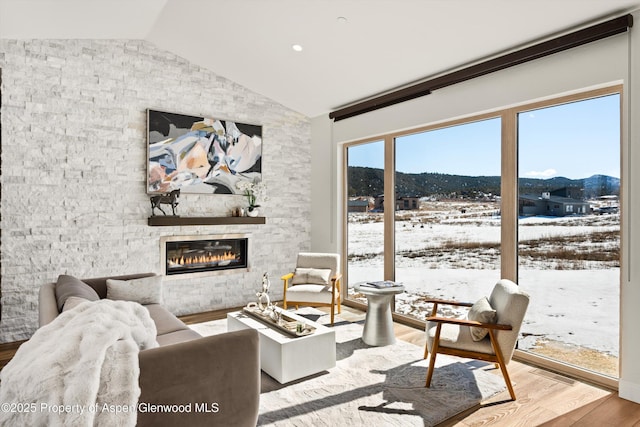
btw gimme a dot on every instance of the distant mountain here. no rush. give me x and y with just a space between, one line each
365 181
601 185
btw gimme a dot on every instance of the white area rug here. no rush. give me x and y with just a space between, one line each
372 386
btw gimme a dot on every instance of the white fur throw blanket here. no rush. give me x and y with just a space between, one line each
80 370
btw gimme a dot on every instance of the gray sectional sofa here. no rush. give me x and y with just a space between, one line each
186 368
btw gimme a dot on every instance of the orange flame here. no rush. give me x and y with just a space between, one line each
203 259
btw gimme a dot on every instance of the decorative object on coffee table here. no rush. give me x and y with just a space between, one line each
281 320
263 307
157 200
269 312
378 324
264 294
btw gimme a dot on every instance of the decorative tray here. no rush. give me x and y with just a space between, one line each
287 324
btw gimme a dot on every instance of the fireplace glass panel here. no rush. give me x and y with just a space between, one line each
195 256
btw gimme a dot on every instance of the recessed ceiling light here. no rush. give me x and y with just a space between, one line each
297 47
341 20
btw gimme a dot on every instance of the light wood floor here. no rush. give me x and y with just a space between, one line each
544 398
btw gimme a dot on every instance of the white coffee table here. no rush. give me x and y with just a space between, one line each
378 323
284 357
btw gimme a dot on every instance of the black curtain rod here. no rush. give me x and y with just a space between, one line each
568 41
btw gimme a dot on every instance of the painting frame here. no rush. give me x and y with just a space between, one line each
201 155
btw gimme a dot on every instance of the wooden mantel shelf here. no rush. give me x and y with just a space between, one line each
164 221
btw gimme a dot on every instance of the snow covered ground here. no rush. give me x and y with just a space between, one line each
454 255
573 307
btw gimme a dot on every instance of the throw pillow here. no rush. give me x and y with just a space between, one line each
481 311
145 290
73 302
68 286
317 276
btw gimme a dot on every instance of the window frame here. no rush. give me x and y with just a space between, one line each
509 204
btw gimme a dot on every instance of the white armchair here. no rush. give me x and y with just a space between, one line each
315 281
489 333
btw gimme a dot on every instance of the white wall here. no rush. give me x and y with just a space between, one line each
74 172
594 65
325 217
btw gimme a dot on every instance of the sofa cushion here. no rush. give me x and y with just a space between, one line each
73 302
316 276
100 283
68 286
456 336
145 290
482 312
165 321
310 294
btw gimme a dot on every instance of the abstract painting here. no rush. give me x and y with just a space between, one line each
201 154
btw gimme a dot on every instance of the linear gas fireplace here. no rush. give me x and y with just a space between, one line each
204 255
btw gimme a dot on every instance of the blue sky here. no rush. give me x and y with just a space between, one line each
573 140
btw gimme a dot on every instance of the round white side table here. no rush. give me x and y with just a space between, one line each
378 324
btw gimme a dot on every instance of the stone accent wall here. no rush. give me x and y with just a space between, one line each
73 180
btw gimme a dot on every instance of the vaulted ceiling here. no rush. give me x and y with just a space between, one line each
351 49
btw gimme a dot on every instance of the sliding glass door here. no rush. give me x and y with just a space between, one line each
569 231
529 193
365 215
447 214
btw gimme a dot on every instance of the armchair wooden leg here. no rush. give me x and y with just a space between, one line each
332 313
507 380
502 364
434 352
432 364
284 293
